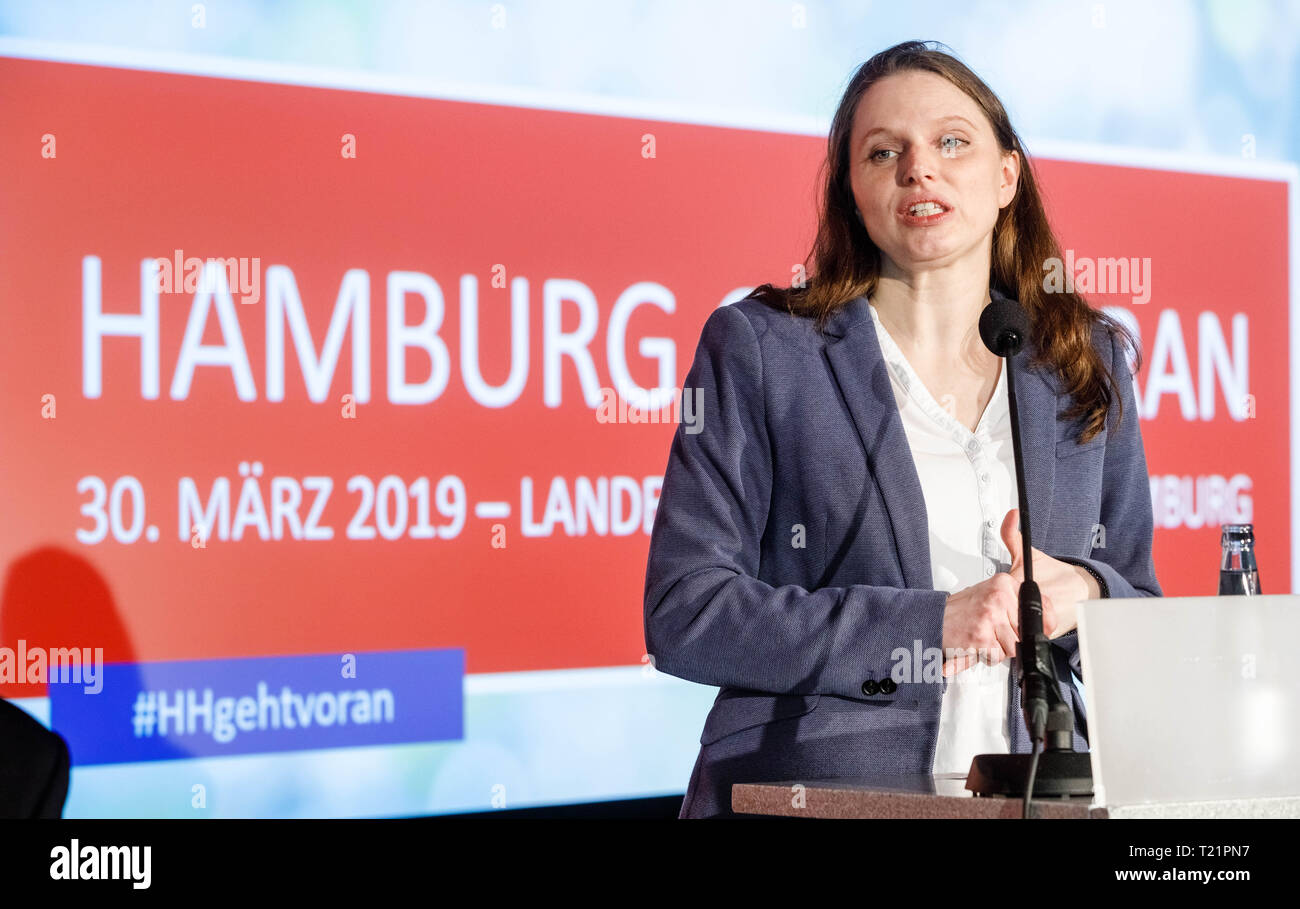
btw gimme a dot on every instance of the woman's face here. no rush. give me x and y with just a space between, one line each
917 138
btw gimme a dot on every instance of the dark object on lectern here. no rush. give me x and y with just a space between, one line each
34 767
1238 573
1004 328
1060 773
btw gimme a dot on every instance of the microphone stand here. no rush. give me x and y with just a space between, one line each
1059 770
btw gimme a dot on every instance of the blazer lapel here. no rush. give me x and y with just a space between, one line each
859 367
856 360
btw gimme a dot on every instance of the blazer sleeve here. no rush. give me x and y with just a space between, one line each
1123 565
708 617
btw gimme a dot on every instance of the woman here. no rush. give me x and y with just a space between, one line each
837 549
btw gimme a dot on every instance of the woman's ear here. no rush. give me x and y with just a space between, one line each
1010 178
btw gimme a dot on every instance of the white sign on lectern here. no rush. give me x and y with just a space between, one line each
1192 699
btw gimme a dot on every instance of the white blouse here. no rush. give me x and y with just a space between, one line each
969 483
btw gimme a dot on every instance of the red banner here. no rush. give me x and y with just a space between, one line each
376 423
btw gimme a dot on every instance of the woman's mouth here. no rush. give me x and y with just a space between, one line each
924 212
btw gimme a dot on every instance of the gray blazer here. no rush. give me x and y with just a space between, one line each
801 430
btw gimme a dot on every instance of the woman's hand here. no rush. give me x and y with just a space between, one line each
1063 583
981 623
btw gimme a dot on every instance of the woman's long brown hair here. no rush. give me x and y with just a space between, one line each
845 264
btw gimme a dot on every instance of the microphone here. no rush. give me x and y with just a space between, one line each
1004 327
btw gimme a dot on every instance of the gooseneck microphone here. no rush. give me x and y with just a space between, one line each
1004 326
1060 770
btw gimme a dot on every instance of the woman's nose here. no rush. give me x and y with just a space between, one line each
918 163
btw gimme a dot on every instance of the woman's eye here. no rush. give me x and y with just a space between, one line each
875 155
952 143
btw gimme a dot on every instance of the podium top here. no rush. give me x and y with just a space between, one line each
944 796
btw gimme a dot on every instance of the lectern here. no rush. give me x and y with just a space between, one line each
1193 712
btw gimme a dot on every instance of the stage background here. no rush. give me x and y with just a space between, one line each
451 553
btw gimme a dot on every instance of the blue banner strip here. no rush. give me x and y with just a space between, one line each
203 708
